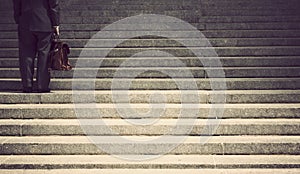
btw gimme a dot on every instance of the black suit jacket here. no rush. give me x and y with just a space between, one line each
36 15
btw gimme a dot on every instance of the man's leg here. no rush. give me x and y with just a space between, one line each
43 48
27 53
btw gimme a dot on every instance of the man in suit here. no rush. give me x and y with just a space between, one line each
37 20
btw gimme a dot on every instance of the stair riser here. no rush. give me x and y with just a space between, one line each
6 18
237 3
292 61
184 52
140 98
223 130
106 84
70 113
158 8
148 170
110 16
170 43
164 164
162 73
108 98
155 149
151 166
177 52
118 11
174 26
175 5
208 34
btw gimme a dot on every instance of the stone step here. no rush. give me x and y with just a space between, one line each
182 52
150 171
243 12
68 111
165 72
164 84
140 145
199 15
175 34
197 2
234 96
272 61
170 96
66 19
147 127
186 2
174 10
236 42
175 51
188 16
150 6
266 164
259 128
185 13
175 5
142 43
160 7
172 26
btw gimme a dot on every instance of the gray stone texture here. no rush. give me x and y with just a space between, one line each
257 43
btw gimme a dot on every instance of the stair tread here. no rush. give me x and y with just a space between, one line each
139 96
139 105
151 171
207 92
159 79
169 68
207 33
208 47
260 139
167 159
170 58
240 61
179 39
166 122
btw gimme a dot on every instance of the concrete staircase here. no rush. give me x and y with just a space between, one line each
257 127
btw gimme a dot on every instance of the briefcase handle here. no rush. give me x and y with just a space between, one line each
55 38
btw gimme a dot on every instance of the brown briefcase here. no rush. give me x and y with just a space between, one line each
58 55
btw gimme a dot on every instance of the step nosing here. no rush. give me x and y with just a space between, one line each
142 122
168 139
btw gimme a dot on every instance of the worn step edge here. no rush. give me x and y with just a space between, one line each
171 27
64 111
147 139
6 18
129 122
181 52
106 127
164 72
149 92
166 68
138 105
150 171
198 162
10 84
177 34
272 61
154 145
105 96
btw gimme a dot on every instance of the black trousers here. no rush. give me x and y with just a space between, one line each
32 44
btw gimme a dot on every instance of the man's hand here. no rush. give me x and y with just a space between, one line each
56 30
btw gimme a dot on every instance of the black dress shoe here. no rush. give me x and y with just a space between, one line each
43 90
27 90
